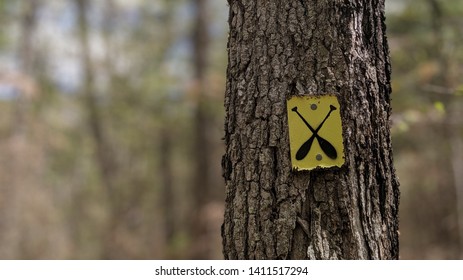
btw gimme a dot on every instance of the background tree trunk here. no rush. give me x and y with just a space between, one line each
104 154
202 187
167 176
20 143
279 49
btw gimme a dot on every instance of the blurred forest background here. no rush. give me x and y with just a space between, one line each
111 119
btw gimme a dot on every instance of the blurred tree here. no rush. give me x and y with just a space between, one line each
19 138
446 81
105 155
31 219
21 172
202 185
283 49
427 62
166 139
109 162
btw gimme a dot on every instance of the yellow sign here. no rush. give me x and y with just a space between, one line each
315 132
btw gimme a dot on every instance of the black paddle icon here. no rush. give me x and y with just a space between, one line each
326 146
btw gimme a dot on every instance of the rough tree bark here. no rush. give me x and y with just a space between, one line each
279 49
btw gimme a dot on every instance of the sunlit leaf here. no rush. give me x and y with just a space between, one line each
440 107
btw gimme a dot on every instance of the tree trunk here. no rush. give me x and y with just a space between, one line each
167 176
280 49
104 154
18 169
201 187
104 157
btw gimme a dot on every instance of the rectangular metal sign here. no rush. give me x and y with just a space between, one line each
315 132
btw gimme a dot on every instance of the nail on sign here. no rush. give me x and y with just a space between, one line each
315 132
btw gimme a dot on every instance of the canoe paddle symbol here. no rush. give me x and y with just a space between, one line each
326 146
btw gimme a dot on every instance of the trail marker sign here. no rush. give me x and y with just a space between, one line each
315 132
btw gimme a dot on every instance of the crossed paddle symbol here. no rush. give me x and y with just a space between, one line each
325 145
